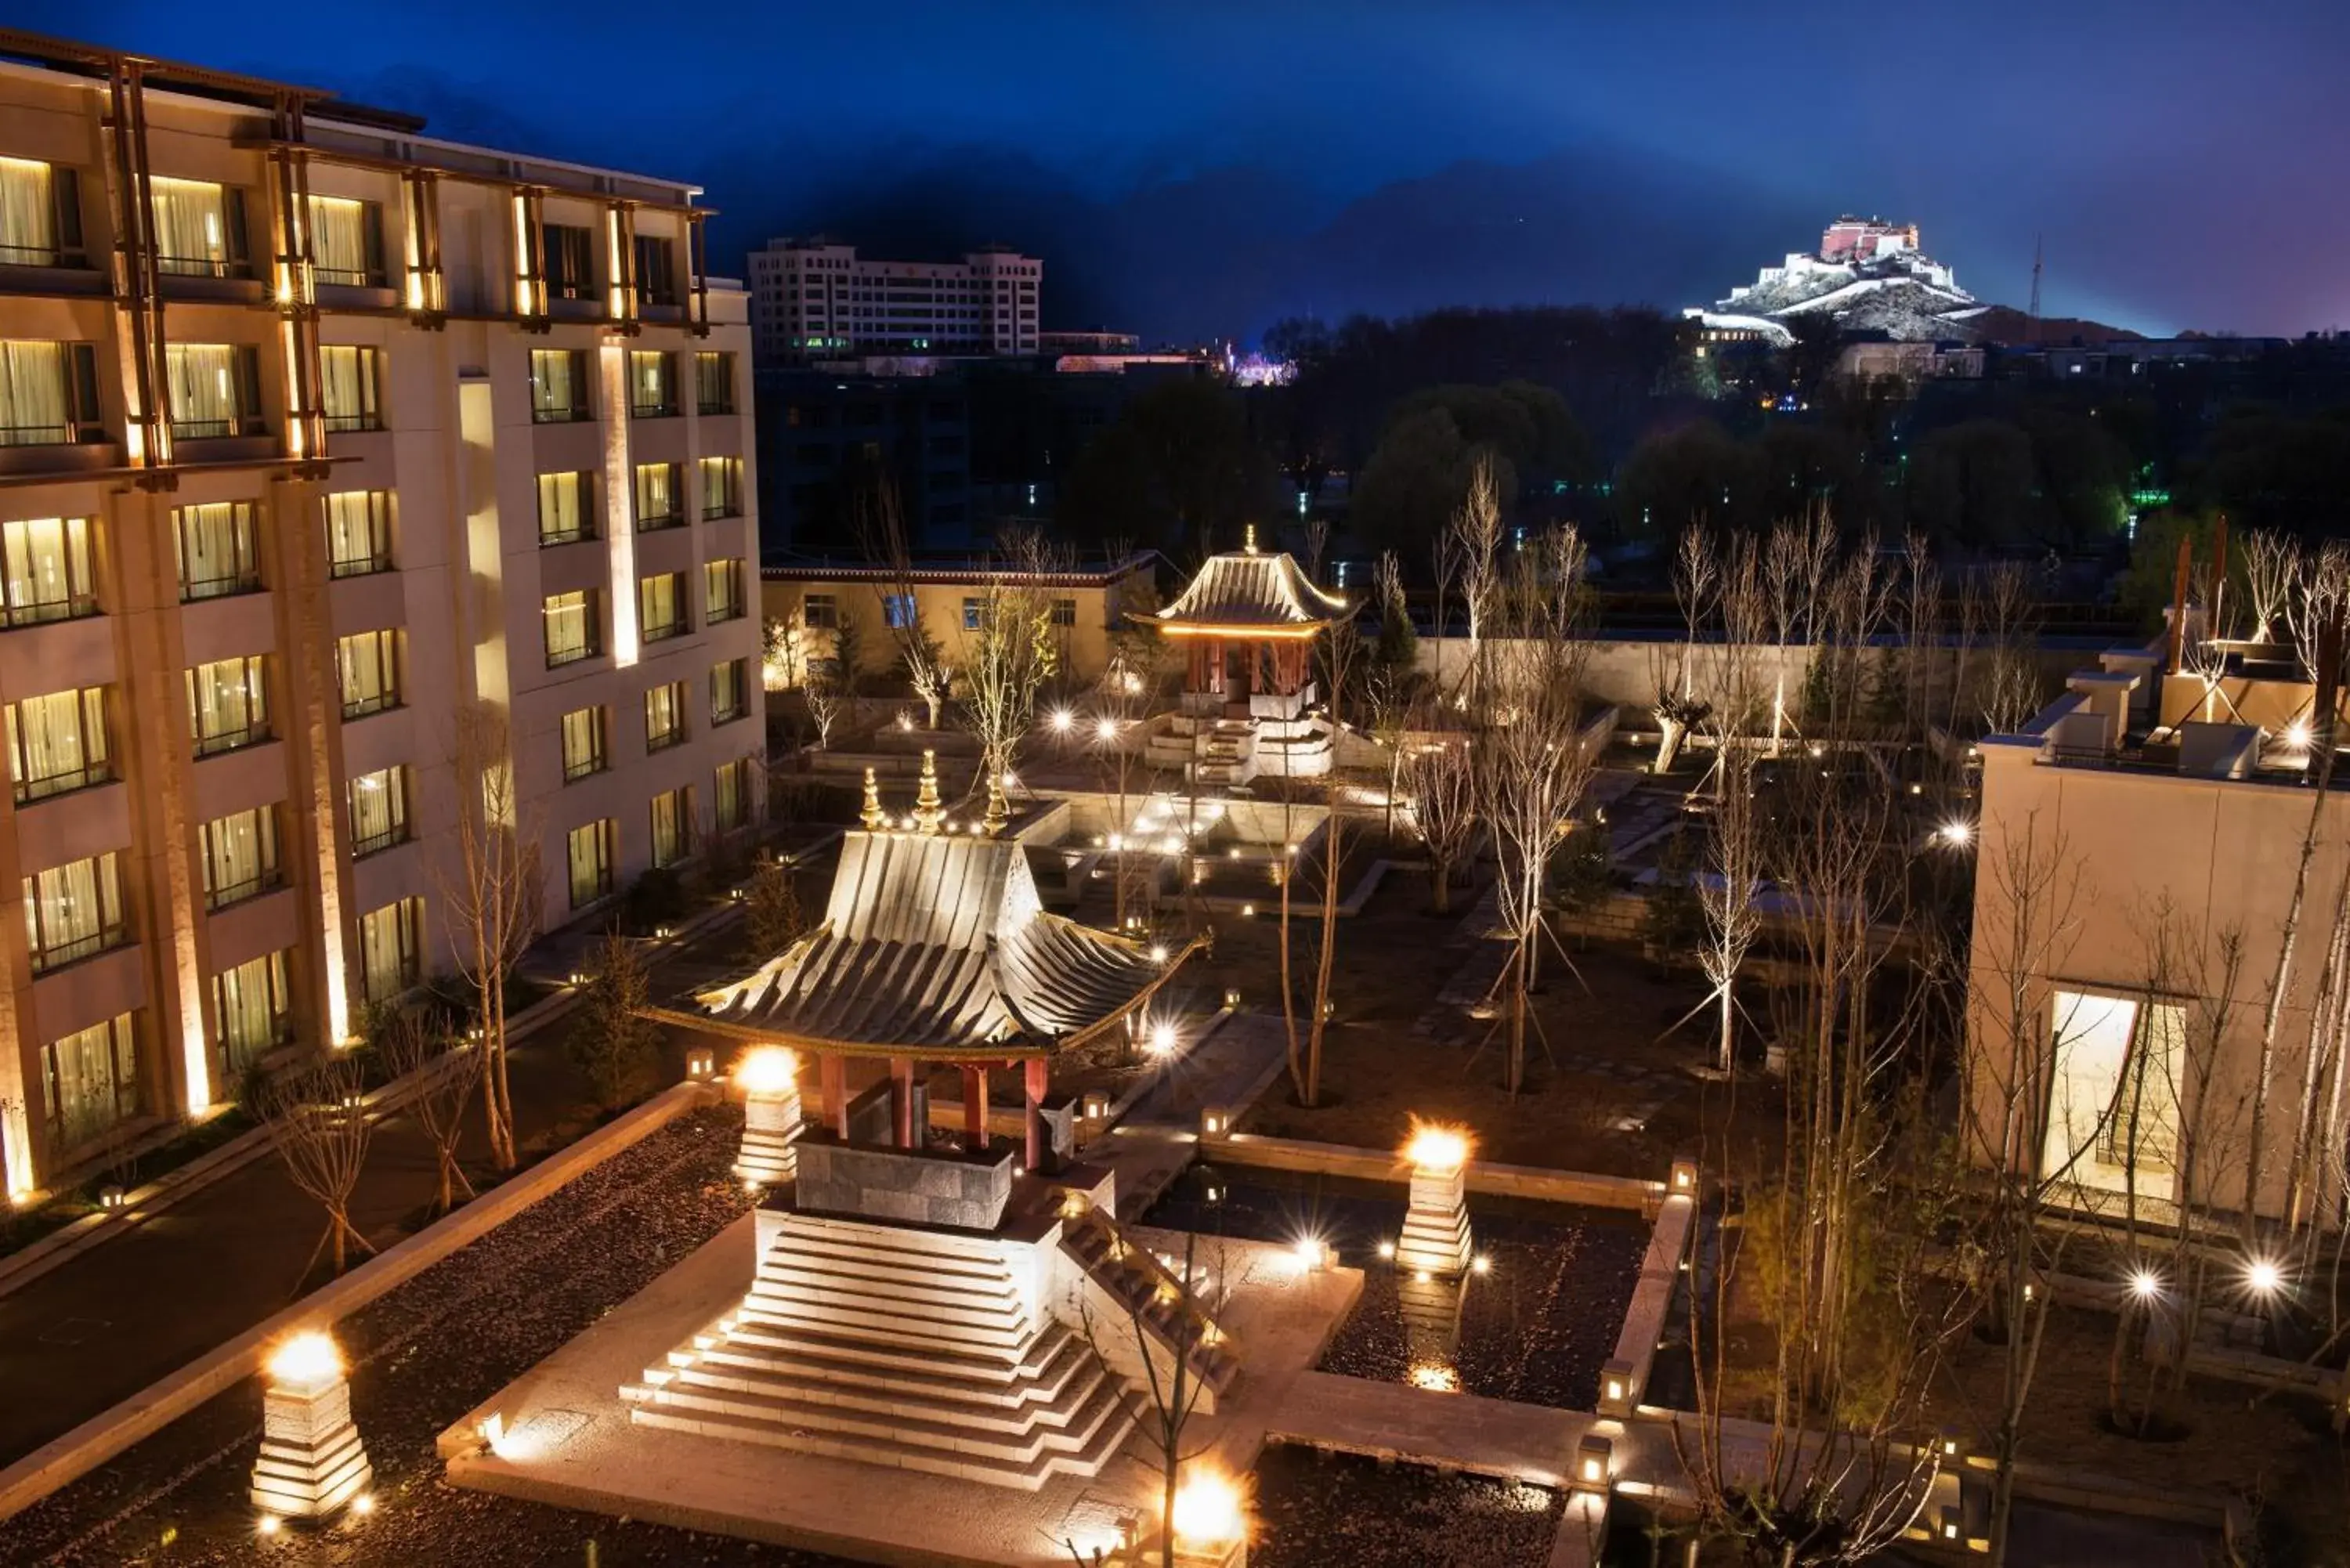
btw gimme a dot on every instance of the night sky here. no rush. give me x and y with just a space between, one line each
1204 168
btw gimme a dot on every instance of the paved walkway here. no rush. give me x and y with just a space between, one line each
106 1324
1161 1134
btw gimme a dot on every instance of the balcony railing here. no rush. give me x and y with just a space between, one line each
662 740
267 880
236 740
40 612
562 413
350 277
87 777
373 703
68 432
218 429
660 409
202 266
376 842
59 955
558 657
662 631
661 519
579 532
577 768
723 610
244 582
42 255
365 420
361 565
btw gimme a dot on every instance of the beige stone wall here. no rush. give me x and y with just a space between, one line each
1084 645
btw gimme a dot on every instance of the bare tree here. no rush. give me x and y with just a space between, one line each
1441 780
1341 648
2007 692
773 918
1391 681
1475 546
1734 841
1008 656
1696 587
2272 564
495 898
883 529
1533 759
442 1073
317 1120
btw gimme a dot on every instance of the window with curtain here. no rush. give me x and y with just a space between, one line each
574 629
559 386
358 532
659 503
583 744
213 389
72 911
391 946
673 811
35 401
240 855
655 270
713 381
721 590
90 1081
591 856
566 515
368 663
652 383
219 549
251 1016
726 685
660 607
28 214
350 387
378 807
665 716
228 704
58 742
731 799
47 570
200 228
722 486
347 242
571 252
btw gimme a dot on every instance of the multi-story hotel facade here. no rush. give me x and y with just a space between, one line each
815 299
326 450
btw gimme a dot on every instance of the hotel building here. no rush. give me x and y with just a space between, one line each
322 442
813 299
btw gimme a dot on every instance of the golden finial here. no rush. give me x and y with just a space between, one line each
1249 546
928 812
999 810
871 816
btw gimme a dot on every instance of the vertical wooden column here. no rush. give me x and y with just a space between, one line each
901 1100
974 1108
1035 1078
832 1074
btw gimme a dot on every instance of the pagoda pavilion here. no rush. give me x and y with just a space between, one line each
1248 621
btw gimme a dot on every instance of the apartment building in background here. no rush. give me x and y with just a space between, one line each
815 299
321 442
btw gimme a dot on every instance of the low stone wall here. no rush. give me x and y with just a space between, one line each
66 1459
1368 1165
1652 1300
918 1186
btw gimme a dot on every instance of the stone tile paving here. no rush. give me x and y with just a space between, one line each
1322 1509
421 1356
1537 1328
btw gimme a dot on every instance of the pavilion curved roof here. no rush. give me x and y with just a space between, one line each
1247 591
937 947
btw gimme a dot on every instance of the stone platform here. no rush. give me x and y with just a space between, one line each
567 1438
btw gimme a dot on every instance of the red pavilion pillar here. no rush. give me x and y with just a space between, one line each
901 1099
832 1076
974 1108
1036 1079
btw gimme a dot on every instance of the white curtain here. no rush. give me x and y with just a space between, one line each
29 219
562 506
339 238
352 533
730 796
47 565
216 548
240 850
583 742
370 671
93 1080
202 381
660 604
68 904
673 827
566 627
387 950
378 807
718 488
249 1002
553 390
56 740
227 697
657 498
190 225
33 407
347 385
587 864
664 712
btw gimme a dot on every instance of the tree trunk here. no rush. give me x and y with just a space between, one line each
1439 878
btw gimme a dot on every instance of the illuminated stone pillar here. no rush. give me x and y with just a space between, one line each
619 502
769 1078
312 1463
1435 1240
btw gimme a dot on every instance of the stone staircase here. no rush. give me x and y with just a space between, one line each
894 1347
1149 1291
1225 751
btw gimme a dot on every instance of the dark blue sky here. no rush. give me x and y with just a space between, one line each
1201 168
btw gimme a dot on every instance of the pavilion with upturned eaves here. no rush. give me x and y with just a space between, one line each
1248 622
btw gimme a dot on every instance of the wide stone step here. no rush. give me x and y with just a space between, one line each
841 1315
883 1452
1045 1407
906 1268
856 1292
970 1362
873 1236
992 1298
1041 1381
889 1249
1035 1443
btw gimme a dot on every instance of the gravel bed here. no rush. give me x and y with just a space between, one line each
1316 1509
1537 1328
421 1356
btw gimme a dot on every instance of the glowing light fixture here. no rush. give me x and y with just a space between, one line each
1211 1510
1063 721
2264 1276
1434 1147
